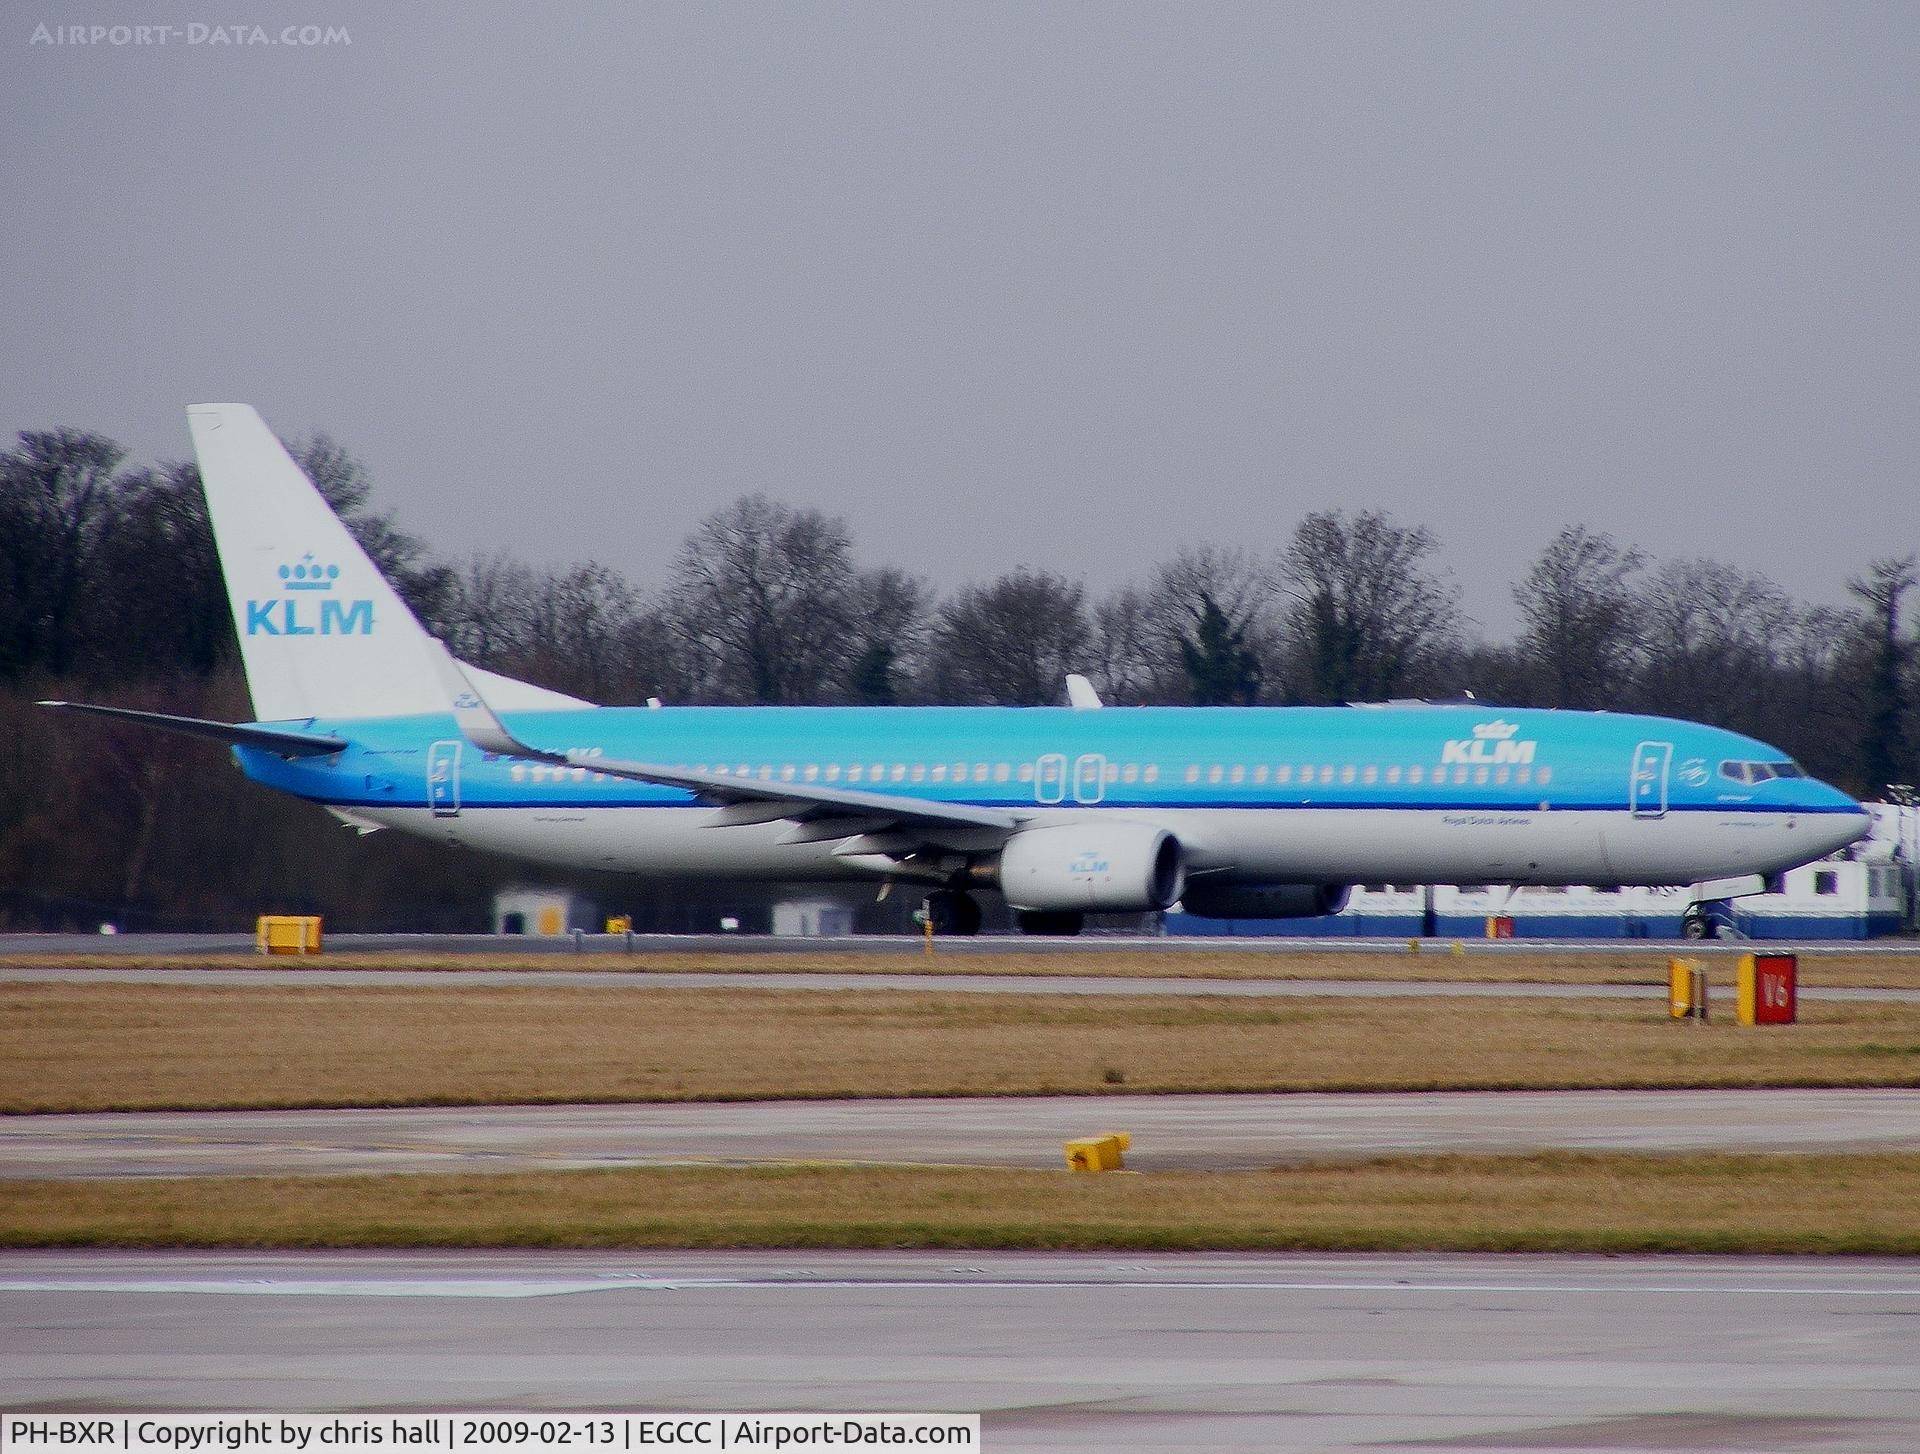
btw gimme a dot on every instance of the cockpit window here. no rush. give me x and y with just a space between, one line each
1760 772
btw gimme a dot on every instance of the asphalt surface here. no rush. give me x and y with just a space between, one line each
1189 1132
1058 1352
970 984
19 946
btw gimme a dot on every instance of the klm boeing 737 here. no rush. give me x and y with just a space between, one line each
1238 812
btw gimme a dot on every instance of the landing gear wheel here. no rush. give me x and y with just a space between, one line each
952 912
1051 921
1696 925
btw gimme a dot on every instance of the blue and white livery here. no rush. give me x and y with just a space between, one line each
1234 812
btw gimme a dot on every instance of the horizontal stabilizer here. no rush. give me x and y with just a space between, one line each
267 739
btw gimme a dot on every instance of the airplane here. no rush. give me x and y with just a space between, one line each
1230 812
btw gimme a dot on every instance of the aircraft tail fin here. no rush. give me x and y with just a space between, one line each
322 632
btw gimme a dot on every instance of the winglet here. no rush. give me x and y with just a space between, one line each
478 722
1080 693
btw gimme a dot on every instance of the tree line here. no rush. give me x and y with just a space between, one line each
110 590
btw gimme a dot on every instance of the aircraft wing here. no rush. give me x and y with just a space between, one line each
744 800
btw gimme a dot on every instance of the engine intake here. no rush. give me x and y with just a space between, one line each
1117 868
1264 901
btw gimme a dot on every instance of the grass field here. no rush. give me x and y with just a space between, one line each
111 1046
1555 1202
1393 961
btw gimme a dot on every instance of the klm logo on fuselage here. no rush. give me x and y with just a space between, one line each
308 608
1492 742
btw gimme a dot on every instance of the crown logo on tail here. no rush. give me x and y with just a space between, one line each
309 575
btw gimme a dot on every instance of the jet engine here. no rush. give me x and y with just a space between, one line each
1264 901
1113 868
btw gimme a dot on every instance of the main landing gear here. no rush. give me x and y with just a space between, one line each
952 912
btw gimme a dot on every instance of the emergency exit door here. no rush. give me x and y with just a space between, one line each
1651 761
443 779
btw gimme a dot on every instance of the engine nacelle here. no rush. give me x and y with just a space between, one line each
1264 901
1114 868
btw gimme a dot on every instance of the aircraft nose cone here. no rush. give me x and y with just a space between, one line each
1837 830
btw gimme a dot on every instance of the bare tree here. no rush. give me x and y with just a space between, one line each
56 507
768 591
891 628
1715 641
583 617
161 550
1367 614
1884 755
1011 642
1128 656
1203 596
492 612
1582 619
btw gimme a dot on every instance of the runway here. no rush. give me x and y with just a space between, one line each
1057 1351
1186 1132
16 948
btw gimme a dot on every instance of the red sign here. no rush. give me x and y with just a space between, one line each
1774 988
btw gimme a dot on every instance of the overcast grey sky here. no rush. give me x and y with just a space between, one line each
1062 284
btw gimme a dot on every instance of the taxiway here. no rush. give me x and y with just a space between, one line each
1057 1351
1182 1132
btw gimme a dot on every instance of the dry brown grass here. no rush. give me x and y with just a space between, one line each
1390 961
1557 1202
99 1047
